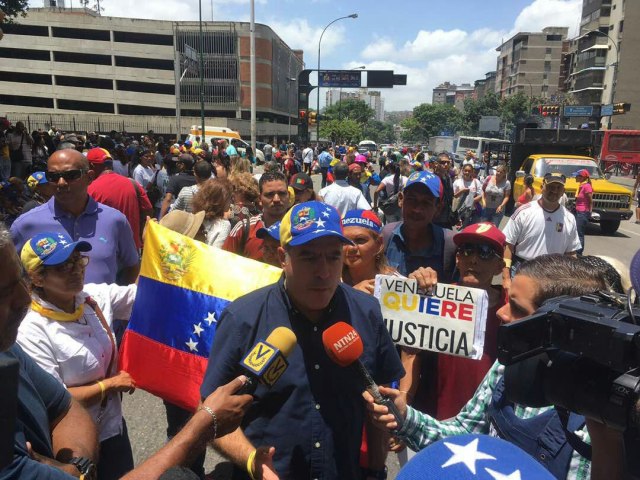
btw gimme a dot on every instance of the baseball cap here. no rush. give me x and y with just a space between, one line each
634 272
185 158
483 232
309 221
50 249
301 181
355 166
473 456
552 177
98 156
183 222
581 173
35 179
273 231
362 218
361 159
426 178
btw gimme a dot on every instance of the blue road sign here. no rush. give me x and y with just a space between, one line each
578 110
339 78
606 110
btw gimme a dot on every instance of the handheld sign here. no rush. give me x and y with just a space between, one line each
452 320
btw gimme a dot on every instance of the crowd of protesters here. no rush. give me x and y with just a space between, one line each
76 206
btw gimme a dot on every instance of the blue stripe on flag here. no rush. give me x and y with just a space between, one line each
177 317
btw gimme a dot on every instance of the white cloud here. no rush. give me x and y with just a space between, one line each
548 13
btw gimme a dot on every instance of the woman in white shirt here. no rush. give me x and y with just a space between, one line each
214 199
145 170
68 332
468 191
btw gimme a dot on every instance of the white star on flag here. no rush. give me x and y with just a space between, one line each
320 222
63 242
193 346
467 454
326 213
197 328
211 318
423 180
501 476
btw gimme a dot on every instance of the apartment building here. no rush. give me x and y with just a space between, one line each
453 94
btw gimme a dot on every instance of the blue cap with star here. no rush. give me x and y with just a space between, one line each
428 180
50 249
309 221
478 457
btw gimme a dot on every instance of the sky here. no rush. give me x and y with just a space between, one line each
430 41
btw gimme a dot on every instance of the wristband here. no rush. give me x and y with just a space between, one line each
213 415
507 262
250 460
103 390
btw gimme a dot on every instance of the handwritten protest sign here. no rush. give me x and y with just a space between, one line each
451 320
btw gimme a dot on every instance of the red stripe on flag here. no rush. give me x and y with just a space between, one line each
168 373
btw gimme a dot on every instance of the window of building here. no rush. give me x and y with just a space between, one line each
22 77
547 50
554 38
83 106
144 38
547 66
125 109
84 82
81 33
24 54
20 29
621 28
143 87
89 58
25 101
137 62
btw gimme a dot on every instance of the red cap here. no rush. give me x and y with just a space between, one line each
354 166
97 156
342 343
484 232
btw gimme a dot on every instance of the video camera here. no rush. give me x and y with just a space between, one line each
578 353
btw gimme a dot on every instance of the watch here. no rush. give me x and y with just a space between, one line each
86 467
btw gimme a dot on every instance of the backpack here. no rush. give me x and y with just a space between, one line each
153 191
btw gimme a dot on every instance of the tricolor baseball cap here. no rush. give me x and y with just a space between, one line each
50 249
97 156
35 179
427 179
273 231
362 218
483 232
581 173
301 181
309 221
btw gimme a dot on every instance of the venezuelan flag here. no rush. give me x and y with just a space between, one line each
184 286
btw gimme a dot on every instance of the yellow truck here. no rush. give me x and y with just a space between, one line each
611 202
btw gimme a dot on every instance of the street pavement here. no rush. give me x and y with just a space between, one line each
145 413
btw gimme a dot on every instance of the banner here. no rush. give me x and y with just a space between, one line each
184 286
452 320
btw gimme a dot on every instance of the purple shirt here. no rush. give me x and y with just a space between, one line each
105 228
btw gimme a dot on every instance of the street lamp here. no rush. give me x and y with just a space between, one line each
614 80
290 80
353 15
361 67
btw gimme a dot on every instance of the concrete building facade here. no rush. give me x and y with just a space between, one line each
59 60
530 63
485 85
373 98
452 94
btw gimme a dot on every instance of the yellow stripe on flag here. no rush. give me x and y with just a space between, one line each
176 259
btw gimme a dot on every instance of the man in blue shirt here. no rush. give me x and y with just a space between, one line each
309 424
324 160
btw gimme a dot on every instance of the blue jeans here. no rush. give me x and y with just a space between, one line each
582 219
490 215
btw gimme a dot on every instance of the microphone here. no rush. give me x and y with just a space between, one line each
267 360
344 347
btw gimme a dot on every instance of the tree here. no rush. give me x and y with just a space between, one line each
340 131
514 109
475 109
379 132
430 119
351 109
13 8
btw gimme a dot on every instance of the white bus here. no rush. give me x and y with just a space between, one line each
476 144
368 146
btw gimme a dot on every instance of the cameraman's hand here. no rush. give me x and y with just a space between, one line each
380 414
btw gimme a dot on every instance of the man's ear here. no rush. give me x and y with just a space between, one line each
400 199
282 256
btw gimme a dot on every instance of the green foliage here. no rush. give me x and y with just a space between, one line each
429 120
341 131
13 8
474 109
351 109
379 132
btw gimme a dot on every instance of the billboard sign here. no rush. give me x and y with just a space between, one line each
340 78
578 110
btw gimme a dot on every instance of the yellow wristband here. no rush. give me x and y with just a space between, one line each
250 460
507 262
103 390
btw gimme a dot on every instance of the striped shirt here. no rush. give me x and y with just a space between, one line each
185 198
420 430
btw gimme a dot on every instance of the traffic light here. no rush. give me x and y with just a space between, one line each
621 108
550 110
313 118
302 116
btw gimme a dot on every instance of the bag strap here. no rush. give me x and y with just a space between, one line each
94 305
246 226
135 187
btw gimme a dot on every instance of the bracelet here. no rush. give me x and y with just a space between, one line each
213 415
103 390
507 262
250 461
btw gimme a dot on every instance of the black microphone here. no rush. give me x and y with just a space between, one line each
267 360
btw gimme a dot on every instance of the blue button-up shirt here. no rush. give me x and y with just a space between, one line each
105 228
325 159
314 413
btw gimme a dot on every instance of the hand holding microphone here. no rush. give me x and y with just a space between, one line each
344 346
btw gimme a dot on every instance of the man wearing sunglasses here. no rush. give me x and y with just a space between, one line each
114 254
540 227
442 169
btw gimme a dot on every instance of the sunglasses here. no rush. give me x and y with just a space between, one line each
484 252
68 176
72 263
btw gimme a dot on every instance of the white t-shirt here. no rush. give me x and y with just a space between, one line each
388 184
307 155
344 197
535 232
77 353
474 187
216 232
143 175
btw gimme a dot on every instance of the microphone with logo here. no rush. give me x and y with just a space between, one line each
344 346
267 360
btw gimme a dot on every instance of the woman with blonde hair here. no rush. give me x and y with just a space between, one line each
214 199
245 196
